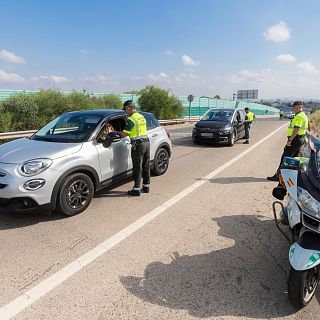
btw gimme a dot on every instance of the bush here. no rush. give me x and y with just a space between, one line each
160 102
19 113
315 122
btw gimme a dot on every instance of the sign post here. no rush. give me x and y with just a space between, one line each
190 99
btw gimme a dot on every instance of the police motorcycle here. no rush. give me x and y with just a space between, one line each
300 180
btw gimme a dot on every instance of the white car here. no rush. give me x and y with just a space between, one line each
63 164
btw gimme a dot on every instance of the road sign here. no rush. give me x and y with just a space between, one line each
190 97
247 94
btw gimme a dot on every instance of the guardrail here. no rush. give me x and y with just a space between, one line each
23 134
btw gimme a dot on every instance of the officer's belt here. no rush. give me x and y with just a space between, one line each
140 140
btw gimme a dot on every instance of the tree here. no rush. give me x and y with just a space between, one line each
112 101
216 97
160 102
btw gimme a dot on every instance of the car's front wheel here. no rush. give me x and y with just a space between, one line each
232 139
161 162
75 194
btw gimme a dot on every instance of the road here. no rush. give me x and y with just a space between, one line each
202 244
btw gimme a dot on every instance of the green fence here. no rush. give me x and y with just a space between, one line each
198 107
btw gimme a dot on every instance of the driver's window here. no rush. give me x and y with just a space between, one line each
238 117
105 130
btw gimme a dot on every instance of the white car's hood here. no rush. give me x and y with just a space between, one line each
24 149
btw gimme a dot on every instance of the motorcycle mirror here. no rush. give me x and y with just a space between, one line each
279 192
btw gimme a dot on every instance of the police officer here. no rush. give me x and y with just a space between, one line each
136 130
296 132
280 114
247 123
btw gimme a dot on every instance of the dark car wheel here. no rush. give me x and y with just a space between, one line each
161 162
75 194
232 139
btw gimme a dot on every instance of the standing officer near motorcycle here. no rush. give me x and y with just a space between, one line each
136 130
296 133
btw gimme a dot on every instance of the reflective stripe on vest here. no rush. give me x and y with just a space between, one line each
303 129
140 126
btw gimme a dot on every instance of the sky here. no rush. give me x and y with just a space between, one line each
199 47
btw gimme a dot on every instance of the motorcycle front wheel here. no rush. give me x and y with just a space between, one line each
302 286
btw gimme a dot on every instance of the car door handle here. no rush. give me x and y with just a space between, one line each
154 135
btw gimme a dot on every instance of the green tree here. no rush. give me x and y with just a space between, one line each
160 102
111 101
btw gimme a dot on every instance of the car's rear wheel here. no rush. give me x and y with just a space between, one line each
161 162
75 194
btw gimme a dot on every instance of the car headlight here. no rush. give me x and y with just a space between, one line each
225 130
35 166
308 202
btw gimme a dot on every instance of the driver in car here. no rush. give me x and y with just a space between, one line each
108 128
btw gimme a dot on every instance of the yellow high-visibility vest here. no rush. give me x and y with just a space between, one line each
139 129
250 116
300 120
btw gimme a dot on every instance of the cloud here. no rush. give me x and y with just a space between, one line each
99 78
83 51
169 53
286 58
277 33
161 77
308 67
11 57
53 78
188 61
6 77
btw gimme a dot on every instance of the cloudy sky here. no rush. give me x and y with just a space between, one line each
200 47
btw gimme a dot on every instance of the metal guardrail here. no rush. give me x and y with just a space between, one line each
23 134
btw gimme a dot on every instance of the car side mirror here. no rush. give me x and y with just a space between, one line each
111 138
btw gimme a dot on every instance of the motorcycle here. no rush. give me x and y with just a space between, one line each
300 180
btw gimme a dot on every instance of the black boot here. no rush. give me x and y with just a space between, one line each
134 193
145 189
273 178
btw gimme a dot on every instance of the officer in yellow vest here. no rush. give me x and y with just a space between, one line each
247 123
136 130
296 132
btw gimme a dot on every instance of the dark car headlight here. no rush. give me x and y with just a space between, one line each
225 130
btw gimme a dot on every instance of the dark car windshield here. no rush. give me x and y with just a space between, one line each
68 128
218 115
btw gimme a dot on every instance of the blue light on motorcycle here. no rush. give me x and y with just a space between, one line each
289 161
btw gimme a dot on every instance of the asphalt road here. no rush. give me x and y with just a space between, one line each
205 245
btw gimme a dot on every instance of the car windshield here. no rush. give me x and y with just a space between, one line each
218 115
68 128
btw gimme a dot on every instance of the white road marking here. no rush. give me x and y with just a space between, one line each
32 295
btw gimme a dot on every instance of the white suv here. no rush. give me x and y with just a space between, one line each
63 164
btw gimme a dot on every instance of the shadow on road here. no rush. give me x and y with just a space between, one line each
20 220
231 180
247 279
